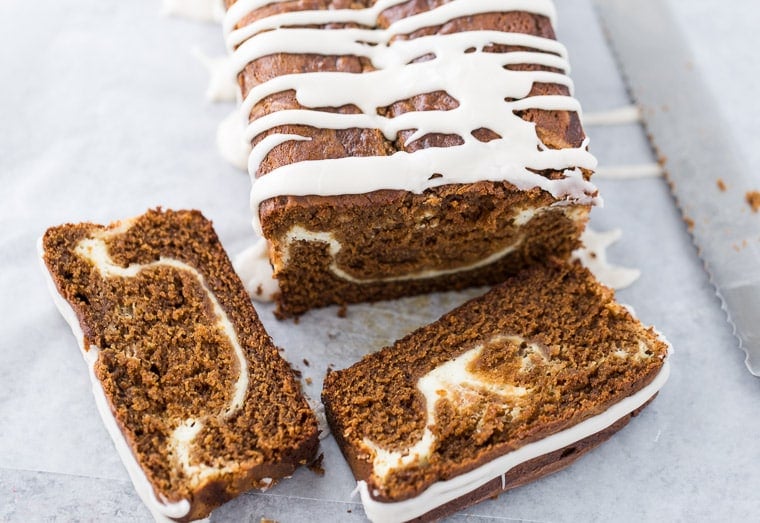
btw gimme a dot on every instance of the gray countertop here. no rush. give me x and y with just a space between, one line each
102 115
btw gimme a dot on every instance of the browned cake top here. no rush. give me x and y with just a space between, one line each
557 129
544 351
194 381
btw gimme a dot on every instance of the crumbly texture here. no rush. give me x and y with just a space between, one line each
164 359
391 233
552 330
753 200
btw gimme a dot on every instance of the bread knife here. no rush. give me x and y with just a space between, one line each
702 163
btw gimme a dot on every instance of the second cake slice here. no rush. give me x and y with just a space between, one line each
509 387
199 403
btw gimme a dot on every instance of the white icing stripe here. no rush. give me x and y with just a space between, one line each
368 17
619 116
474 161
161 511
629 172
329 89
230 143
445 491
255 271
593 256
222 86
487 92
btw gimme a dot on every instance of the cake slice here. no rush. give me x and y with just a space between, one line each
195 396
505 389
407 146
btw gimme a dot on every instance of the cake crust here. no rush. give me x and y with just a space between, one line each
181 358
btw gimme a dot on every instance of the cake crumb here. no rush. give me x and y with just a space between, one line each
689 223
309 381
721 184
267 520
316 465
342 310
259 290
753 200
297 373
306 362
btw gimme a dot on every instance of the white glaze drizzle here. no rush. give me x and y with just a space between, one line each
619 116
199 10
629 172
593 256
221 86
230 143
444 491
477 80
161 510
255 271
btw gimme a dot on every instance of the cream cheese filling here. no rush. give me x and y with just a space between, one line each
443 492
161 510
95 250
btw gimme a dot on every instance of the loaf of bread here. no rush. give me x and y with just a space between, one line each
402 147
507 388
195 396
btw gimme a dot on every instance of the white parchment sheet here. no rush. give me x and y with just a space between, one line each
102 116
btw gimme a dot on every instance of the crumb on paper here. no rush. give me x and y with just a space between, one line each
721 184
753 200
267 520
259 290
306 362
316 465
309 381
662 160
689 223
297 373
342 310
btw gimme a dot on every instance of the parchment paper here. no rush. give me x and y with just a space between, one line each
102 116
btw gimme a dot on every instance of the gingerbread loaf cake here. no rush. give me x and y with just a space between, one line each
196 397
407 146
505 389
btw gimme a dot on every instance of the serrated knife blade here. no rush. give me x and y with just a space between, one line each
697 148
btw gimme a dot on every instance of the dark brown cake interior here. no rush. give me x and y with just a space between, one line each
164 359
553 331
